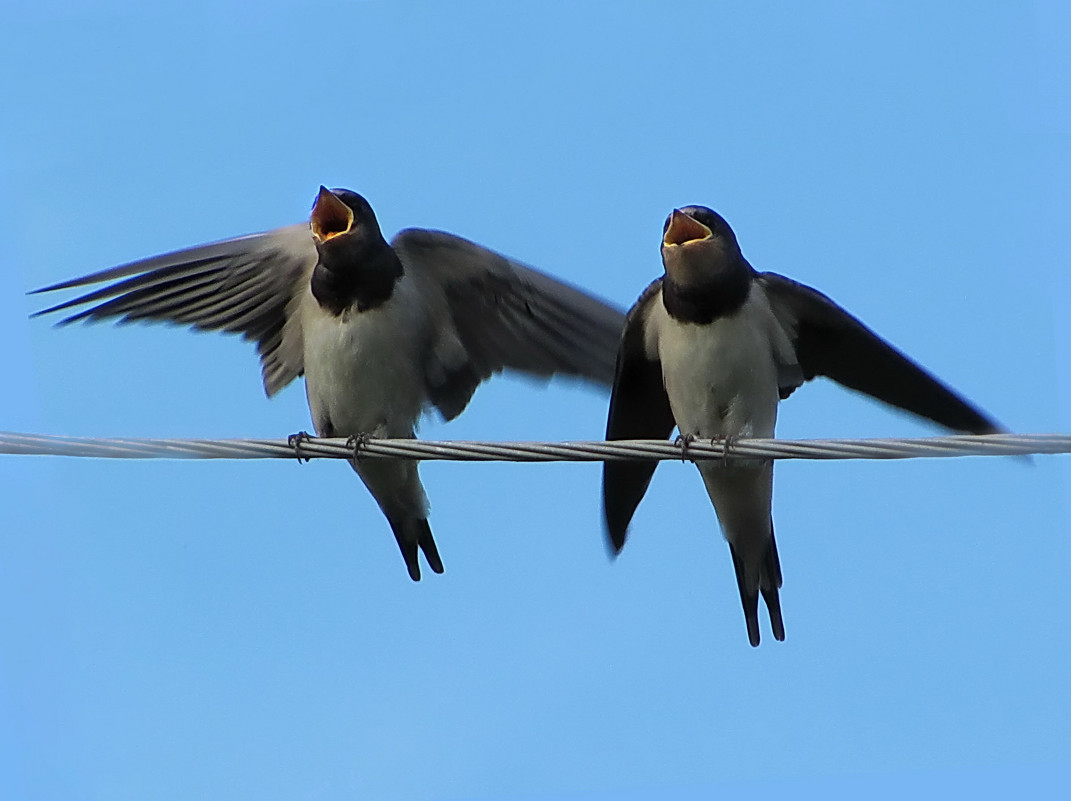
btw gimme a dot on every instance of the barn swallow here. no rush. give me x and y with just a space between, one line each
382 332
711 347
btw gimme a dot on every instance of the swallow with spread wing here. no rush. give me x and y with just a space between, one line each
382 332
711 347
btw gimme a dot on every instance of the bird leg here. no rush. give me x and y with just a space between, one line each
295 440
683 441
727 441
356 442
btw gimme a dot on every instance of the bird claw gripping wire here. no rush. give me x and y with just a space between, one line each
355 443
295 440
727 443
683 441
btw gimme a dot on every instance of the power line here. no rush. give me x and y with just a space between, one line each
429 450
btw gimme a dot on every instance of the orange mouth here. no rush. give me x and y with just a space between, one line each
330 216
683 228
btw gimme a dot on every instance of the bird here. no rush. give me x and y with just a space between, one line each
711 347
383 332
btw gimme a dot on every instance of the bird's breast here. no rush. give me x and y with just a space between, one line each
720 377
364 370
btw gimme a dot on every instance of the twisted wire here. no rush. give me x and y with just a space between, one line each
598 451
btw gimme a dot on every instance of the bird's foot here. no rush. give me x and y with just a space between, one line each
295 440
355 443
682 442
727 441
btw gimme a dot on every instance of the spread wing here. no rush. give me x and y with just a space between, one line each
251 285
831 342
639 409
500 314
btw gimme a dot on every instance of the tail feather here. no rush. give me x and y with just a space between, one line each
427 545
748 598
769 582
413 535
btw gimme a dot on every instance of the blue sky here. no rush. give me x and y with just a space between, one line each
247 630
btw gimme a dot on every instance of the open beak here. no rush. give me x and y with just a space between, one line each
330 216
683 228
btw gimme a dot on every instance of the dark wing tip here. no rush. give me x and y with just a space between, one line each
616 537
69 284
109 274
69 304
832 342
619 502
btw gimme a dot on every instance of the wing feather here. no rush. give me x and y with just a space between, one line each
506 316
639 409
831 342
250 285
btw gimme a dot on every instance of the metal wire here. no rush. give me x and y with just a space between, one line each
315 448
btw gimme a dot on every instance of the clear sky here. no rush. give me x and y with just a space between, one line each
247 630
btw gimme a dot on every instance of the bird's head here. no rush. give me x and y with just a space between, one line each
699 248
342 219
355 263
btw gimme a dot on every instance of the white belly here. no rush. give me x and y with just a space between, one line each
363 370
721 378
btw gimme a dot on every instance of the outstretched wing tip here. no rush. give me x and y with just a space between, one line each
70 283
70 304
830 341
243 285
